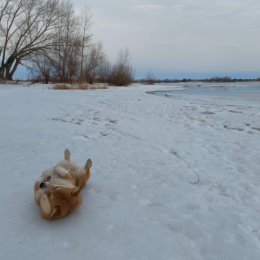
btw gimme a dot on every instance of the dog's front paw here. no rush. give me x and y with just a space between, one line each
75 191
61 172
57 188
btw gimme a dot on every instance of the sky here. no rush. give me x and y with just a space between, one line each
180 38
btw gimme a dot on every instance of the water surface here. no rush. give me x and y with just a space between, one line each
243 91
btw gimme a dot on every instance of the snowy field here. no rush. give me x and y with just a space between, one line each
172 178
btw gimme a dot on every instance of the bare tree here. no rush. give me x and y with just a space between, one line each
67 45
72 38
26 27
95 60
122 71
48 37
85 23
64 58
104 70
41 68
150 78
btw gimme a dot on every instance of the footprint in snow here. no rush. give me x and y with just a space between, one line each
235 111
233 128
104 133
256 128
207 113
112 121
175 153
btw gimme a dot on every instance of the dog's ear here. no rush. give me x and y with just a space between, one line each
67 155
88 164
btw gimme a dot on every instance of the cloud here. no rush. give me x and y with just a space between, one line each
181 34
149 7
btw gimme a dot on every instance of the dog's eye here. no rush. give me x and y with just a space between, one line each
48 178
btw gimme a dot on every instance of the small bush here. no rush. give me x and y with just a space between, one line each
63 86
122 72
121 76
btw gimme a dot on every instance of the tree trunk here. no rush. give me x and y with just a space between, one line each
9 76
1 74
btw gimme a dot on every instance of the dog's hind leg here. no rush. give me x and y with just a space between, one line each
56 213
83 178
45 206
67 155
87 170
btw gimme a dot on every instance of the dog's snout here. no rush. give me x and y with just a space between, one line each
42 185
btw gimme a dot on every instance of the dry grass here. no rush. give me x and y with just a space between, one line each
64 86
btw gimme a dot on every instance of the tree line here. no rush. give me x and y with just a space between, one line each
150 79
55 44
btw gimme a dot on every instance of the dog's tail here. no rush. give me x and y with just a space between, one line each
67 155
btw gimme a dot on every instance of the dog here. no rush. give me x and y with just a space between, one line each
57 191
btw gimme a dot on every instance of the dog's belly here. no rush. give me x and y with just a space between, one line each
70 166
63 183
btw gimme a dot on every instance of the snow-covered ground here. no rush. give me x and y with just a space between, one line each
172 178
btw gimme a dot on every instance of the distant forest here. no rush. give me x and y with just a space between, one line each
150 80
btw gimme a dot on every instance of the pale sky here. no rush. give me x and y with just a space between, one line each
181 37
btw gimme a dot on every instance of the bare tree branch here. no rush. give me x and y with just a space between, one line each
27 26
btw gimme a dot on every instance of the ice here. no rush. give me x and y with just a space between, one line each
172 177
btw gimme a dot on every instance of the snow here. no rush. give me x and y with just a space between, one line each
172 178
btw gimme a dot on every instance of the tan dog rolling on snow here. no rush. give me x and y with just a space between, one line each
57 191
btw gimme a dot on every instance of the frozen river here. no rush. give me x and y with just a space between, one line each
245 91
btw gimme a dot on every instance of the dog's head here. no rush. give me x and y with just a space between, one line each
57 201
45 183
41 184
57 176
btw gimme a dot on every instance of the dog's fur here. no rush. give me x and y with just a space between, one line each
57 191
